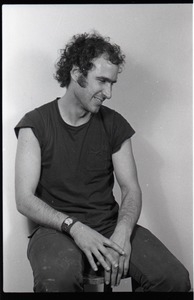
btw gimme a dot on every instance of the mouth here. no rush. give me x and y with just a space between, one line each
99 100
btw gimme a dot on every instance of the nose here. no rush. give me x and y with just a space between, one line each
107 90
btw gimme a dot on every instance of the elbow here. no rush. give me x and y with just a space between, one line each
21 205
134 192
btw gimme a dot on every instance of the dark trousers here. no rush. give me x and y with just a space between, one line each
58 264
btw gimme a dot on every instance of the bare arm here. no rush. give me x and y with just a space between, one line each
27 174
126 174
130 208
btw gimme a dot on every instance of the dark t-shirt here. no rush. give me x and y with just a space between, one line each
76 162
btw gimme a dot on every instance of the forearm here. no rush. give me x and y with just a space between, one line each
40 212
130 209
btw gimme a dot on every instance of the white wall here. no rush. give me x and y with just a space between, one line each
154 93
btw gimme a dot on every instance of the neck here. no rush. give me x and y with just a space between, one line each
71 112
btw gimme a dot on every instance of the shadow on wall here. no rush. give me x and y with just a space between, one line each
33 71
155 209
141 104
35 79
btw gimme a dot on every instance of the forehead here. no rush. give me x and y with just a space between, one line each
103 67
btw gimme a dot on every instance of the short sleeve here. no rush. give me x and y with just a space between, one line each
34 121
121 131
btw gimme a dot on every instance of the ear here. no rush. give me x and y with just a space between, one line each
75 73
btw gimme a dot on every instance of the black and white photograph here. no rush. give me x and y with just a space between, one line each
97 148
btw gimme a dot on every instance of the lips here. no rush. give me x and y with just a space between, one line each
99 100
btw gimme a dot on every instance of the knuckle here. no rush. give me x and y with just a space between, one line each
105 252
115 267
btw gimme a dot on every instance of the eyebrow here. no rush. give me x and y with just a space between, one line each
106 79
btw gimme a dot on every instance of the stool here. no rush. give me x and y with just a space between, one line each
97 278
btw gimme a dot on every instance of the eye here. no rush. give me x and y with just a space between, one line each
101 80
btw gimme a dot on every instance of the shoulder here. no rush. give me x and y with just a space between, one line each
106 110
107 114
111 115
46 108
36 118
117 127
41 113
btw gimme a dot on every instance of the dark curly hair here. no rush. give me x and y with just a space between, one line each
81 50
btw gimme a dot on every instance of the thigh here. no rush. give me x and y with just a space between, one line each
150 260
54 255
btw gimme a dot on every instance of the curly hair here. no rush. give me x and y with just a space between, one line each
81 50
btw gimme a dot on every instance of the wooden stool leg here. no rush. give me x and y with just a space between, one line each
107 288
134 284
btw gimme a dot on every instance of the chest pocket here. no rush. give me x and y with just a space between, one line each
97 159
97 151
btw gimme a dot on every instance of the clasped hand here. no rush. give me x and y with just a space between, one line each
122 238
114 276
93 244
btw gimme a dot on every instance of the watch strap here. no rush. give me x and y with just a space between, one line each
65 227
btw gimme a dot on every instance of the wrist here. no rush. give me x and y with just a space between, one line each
75 228
68 223
124 228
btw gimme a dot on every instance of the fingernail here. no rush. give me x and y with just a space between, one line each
107 282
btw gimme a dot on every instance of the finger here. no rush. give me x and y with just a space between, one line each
109 257
114 246
101 260
126 267
114 273
121 270
107 276
91 261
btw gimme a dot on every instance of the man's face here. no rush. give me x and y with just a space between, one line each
98 85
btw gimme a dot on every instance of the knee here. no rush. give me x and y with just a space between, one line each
46 286
58 284
173 281
179 281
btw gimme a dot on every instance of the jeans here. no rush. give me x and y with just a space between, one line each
58 264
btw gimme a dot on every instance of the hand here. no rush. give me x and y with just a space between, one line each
93 243
115 274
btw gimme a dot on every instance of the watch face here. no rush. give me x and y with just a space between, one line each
68 221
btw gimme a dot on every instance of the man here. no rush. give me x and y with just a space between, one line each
68 152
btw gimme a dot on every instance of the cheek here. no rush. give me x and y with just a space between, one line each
94 90
91 90
82 81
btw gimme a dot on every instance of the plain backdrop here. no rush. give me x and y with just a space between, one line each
154 93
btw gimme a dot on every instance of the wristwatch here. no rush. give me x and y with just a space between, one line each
68 223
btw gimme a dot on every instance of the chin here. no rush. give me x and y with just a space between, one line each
93 109
96 110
